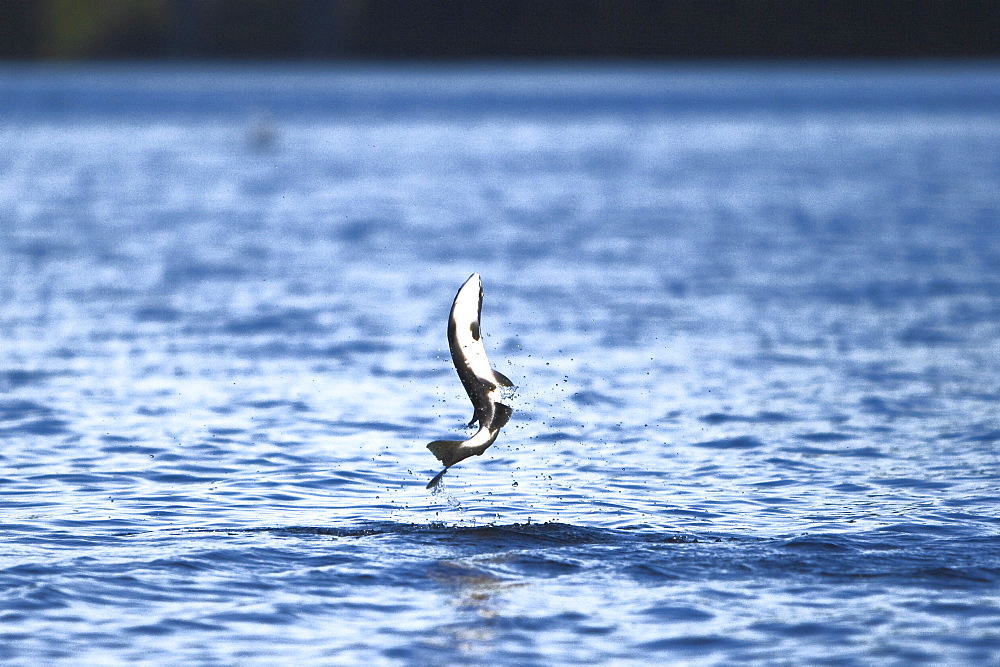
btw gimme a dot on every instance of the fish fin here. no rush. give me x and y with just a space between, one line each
446 451
501 415
476 417
502 379
436 479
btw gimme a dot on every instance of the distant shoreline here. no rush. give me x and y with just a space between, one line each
497 29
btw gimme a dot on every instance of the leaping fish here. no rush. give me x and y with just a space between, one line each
481 382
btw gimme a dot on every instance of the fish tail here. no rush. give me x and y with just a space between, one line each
446 451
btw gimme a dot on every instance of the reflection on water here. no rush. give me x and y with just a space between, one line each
475 598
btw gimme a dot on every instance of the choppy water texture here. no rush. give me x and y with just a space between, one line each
753 315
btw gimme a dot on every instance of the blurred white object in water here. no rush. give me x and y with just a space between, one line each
262 135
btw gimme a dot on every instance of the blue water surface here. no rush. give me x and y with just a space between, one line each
753 314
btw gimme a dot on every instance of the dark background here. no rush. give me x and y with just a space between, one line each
484 29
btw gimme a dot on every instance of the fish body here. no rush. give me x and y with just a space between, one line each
483 384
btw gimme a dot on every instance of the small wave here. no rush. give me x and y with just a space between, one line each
348 349
955 575
775 483
17 379
694 644
740 442
924 529
518 535
655 573
887 293
928 336
678 613
173 626
379 370
13 410
883 373
383 427
801 630
867 452
225 432
848 487
183 273
288 321
538 566
47 426
39 598
988 437
589 397
912 483
555 436
178 478
825 437
294 406
762 417
912 407
818 543
128 446
158 314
